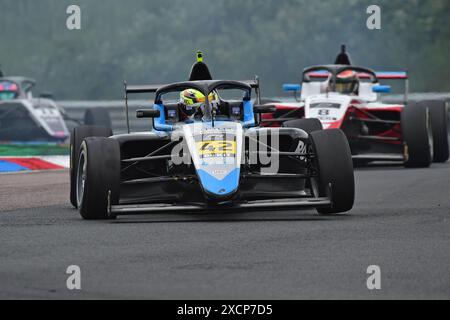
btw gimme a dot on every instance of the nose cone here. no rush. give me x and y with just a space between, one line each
216 152
219 188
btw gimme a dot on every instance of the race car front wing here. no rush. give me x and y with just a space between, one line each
288 204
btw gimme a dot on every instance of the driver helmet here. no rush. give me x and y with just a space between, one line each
347 82
192 100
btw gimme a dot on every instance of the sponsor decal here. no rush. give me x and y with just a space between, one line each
325 105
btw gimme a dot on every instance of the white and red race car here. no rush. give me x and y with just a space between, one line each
348 97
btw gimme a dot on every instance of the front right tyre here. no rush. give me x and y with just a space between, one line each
98 178
76 138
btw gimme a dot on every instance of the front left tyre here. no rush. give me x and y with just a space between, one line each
98 178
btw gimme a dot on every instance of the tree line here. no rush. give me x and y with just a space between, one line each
144 41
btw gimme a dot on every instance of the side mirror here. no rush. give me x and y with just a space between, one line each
147 113
46 95
266 108
381 89
292 87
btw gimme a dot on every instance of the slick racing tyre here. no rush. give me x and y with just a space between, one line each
439 125
98 177
308 125
97 117
76 138
335 170
417 135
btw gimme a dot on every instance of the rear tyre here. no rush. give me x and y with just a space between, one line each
417 136
439 124
98 178
97 117
335 169
308 125
76 138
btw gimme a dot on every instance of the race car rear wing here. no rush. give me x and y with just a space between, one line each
143 88
381 75
134 89
153 88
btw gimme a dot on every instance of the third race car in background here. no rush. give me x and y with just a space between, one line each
26 118
348 97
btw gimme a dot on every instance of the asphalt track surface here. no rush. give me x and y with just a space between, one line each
401 222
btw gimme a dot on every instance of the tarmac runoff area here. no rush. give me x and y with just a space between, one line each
400 223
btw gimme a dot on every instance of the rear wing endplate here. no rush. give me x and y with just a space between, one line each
392 75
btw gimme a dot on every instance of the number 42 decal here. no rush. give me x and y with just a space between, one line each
216 147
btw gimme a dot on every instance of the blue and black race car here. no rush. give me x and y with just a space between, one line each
208 155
